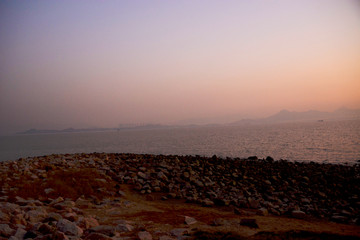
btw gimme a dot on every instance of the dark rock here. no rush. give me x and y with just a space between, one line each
53 217
30 234
104 229
178 232
253 203
339 219
59 236
45 229
249 223
298 214
97 236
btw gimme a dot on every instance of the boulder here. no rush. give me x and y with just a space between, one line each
45 228
298 214
4 217
65 205
339 219
5 230
30 234
18 219
104 229
59 236
87 222
36 215
253 203
71 216
142 175
20 233
190 220
165 237
48 190
57 200
143 235
124 227
219 222
69 228
178 232
162 176
53 217
207 203
97 236
262 212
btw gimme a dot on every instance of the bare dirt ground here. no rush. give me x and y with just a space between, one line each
156 216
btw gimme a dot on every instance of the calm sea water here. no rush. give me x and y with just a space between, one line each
335 142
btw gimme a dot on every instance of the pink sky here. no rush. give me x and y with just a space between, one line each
104 63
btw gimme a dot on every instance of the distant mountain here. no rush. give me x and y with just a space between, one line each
312 115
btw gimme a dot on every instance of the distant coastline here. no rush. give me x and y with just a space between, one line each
78 130
67 130
280 117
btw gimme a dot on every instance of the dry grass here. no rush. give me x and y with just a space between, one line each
71 183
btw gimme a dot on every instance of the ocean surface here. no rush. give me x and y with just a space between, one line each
333 142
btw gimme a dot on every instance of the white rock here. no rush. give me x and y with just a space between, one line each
55 201
49 190
190 220
142 175
262 212
104 229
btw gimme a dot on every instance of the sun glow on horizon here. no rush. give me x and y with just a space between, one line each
104 63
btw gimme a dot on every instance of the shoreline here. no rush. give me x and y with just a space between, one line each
245 188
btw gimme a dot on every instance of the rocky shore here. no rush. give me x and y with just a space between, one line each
130 196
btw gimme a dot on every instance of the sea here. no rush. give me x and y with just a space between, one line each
322 142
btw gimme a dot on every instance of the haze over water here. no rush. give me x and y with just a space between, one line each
103 63
334 142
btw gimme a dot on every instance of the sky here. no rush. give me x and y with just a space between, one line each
104 63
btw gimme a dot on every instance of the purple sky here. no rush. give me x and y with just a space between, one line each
103 63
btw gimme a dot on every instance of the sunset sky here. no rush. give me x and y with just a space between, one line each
104 63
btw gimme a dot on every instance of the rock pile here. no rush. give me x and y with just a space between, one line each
43 197
275 187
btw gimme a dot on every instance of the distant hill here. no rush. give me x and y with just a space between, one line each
282 116
67 130
312 115
75 130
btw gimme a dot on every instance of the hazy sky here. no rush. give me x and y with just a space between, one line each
103 63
